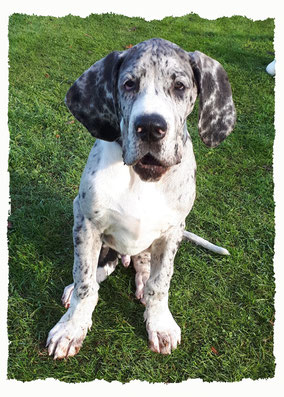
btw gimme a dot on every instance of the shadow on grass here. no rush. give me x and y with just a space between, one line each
41 262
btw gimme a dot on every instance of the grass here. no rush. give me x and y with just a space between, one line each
224 305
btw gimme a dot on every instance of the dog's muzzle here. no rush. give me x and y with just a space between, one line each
150 129
149 168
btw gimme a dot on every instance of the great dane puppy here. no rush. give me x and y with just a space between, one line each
139 182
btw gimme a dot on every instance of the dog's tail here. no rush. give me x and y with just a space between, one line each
204 243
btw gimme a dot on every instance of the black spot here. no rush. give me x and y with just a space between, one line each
107 255
208 115
83 294
83 195
223 81
176 149
78 240
83 287
207 85
77 228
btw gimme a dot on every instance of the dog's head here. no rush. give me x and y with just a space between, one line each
141 98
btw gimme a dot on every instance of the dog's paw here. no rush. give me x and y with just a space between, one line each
67 294
163 332
66 338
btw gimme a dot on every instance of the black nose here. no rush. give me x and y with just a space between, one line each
150 127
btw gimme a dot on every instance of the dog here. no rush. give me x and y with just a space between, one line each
139 182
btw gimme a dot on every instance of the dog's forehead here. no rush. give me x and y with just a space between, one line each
156 53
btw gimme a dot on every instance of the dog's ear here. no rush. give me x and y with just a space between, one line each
217 114
92 98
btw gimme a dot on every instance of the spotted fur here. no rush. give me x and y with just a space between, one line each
139 182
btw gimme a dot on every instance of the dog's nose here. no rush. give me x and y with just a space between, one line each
150 127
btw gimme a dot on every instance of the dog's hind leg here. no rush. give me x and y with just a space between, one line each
142 264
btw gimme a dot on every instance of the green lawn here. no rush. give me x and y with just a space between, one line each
224 305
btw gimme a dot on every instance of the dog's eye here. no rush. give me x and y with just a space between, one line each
129 85
179 86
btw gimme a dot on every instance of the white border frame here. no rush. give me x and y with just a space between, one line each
147 9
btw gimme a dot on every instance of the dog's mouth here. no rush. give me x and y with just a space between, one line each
149 168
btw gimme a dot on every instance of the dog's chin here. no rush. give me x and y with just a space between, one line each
150 169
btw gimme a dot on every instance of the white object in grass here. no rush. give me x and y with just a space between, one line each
271 68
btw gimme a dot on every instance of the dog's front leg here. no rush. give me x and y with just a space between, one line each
164 333
66 337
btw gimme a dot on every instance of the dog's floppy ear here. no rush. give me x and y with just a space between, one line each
217 114
92 98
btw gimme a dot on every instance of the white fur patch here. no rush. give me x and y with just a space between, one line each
134 213
66 337
163 332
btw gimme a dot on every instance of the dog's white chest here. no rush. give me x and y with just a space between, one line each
130 213
137 219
